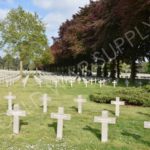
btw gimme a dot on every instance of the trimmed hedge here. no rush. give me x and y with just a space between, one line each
132 96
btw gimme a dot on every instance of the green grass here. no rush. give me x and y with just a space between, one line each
81 133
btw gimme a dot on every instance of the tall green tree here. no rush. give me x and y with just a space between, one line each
23 35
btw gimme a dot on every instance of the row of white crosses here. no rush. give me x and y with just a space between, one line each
58 80
12 80
60 116
16 112
104 119
8 77
102 83
93 80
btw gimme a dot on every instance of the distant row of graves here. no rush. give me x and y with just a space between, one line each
9 78
104 119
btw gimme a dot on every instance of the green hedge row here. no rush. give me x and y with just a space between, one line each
132 96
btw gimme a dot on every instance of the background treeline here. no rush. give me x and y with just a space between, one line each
95 28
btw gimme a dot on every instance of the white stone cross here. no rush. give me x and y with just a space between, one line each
45 100
91 81
71 83
100 83
147 124
60 116
104 81
80 102
56 83
86 83
105 120
114 83
16 113
117 103
10 97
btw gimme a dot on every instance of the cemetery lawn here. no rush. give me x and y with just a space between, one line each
37 130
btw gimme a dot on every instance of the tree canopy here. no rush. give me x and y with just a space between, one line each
23 35
117 30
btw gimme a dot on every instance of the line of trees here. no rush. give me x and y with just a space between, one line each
113 31
8 62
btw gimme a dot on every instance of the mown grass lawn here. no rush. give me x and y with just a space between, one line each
81 133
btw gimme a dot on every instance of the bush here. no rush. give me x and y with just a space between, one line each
147 88
131 96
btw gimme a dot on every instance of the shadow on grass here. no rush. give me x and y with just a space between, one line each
145 114
111 111
136 137
133 135
23 123
74 108
53 125
96 132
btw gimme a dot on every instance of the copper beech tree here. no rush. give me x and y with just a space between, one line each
118 30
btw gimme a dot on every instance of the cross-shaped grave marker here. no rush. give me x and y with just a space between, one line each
16 113
80 102
10 97
86 83
71 83
117 103
114 83
91 81
100 83
104 120
45 100
60 116
56 83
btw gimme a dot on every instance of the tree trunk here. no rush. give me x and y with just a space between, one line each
133 70
118 68
105 70
21 69
112 69
89 70
99 71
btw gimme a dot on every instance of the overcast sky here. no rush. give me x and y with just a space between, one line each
52 12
